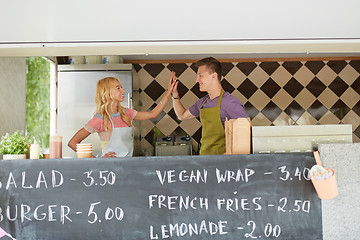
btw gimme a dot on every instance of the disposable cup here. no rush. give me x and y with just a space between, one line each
83 144
84 148
327 188
84 154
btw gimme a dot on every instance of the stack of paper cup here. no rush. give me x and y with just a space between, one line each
84 150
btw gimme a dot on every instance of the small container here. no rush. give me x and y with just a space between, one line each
46 153
112 59
35 151
93 59
326 188
84 150
55 146
76 60
84 154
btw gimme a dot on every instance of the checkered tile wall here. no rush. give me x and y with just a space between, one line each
274 93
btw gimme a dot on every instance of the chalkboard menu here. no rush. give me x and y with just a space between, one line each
260 196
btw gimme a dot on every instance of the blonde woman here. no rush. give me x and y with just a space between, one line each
113 122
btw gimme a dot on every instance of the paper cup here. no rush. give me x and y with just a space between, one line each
84 154
327 188
85 149
84 144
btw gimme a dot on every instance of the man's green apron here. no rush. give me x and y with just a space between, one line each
213 133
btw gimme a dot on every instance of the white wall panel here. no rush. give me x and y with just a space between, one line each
113 20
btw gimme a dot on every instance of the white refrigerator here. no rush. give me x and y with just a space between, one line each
76 98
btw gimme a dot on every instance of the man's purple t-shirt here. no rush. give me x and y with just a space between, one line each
231 107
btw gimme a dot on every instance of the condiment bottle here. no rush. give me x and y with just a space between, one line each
55 146
34 150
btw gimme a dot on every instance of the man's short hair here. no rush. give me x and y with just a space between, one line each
212 64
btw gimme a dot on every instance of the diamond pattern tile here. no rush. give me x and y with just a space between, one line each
154 90
314 66
326 75
194 67
305 98
317 110
190 126
355 64
357 132
235 77
292 67
261 120
251 110
329 118
340 109
306 119
337 66
271 111
226 68
167 125
281 76
356 85
151 136
327 98
348 75
154 69
350 97
145 78
239 96
356 108
179 132
178 68
304 75
258 76
182 89
188 78
316 87
137 67
197 135
338 86
294 110
273 93
351 118
172 114
270 88
282 99
259 99
161 115
195 89
246 67
293 87
269 67
247 88
227 86
283 120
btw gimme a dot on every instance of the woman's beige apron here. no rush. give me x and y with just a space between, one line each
121 142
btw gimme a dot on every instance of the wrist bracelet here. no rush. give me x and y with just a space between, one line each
175 97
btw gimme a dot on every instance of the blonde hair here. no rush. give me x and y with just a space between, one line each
104 97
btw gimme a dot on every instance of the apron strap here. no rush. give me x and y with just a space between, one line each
112 124
219 101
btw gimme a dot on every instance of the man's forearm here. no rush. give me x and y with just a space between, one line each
179 108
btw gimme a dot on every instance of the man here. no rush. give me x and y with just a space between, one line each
212 109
